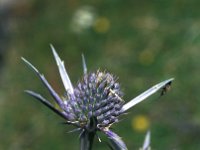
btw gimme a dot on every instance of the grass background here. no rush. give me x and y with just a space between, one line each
141 42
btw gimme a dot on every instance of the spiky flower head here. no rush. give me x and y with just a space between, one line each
97 96
93 105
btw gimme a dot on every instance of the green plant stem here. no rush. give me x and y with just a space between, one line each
86 140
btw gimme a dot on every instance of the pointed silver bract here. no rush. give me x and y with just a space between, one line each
29 64
146 94
116 141
63 73
84 65
147 141
46 102
45 82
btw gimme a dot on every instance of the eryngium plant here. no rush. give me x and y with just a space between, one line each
93 105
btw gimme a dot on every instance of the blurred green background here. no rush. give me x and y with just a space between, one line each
141 42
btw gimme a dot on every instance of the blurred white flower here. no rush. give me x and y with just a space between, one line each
83 19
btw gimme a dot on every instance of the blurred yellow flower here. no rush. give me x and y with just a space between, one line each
140 123
102 25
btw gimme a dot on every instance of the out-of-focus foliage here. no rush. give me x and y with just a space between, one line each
141 42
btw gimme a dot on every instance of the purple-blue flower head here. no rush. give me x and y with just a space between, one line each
93 105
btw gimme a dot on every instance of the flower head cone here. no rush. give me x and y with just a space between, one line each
93 105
